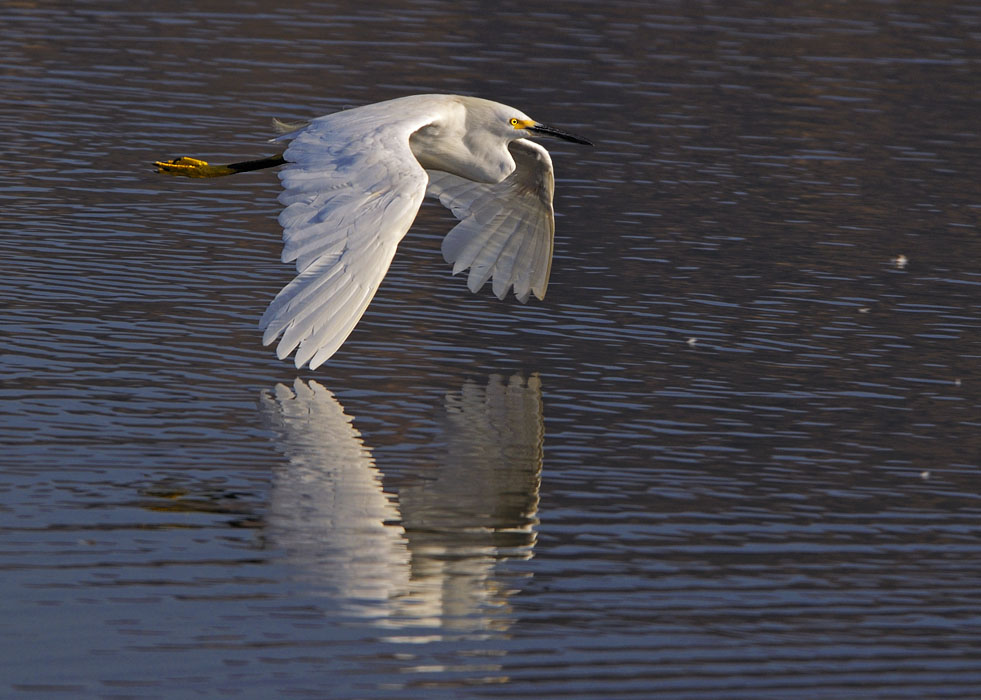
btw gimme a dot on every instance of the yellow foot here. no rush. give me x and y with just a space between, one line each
192 167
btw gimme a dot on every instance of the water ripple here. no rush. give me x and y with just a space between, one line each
733 453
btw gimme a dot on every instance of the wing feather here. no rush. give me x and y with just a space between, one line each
506 230
352 189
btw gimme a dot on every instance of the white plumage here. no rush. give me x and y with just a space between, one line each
354 182
505 229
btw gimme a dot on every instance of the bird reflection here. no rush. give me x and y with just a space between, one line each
428 557
327 509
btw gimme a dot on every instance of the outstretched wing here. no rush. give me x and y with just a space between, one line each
506 229
352 189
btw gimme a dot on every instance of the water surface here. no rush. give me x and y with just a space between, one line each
734 452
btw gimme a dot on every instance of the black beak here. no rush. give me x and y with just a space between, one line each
549 131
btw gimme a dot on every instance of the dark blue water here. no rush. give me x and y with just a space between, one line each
734 453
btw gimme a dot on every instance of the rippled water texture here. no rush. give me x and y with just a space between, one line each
733 454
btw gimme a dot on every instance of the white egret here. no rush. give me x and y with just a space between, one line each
354 181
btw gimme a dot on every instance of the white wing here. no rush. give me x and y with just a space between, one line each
353 188
506 229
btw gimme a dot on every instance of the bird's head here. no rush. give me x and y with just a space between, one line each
523 127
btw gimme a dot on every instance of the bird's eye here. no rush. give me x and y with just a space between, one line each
513 122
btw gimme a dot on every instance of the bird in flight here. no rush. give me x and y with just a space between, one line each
353 184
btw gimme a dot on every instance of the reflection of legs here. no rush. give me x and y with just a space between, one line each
193 167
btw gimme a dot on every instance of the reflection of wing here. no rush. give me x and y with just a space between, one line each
497 433
480 504
505 229
353 188
329 513
327 509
